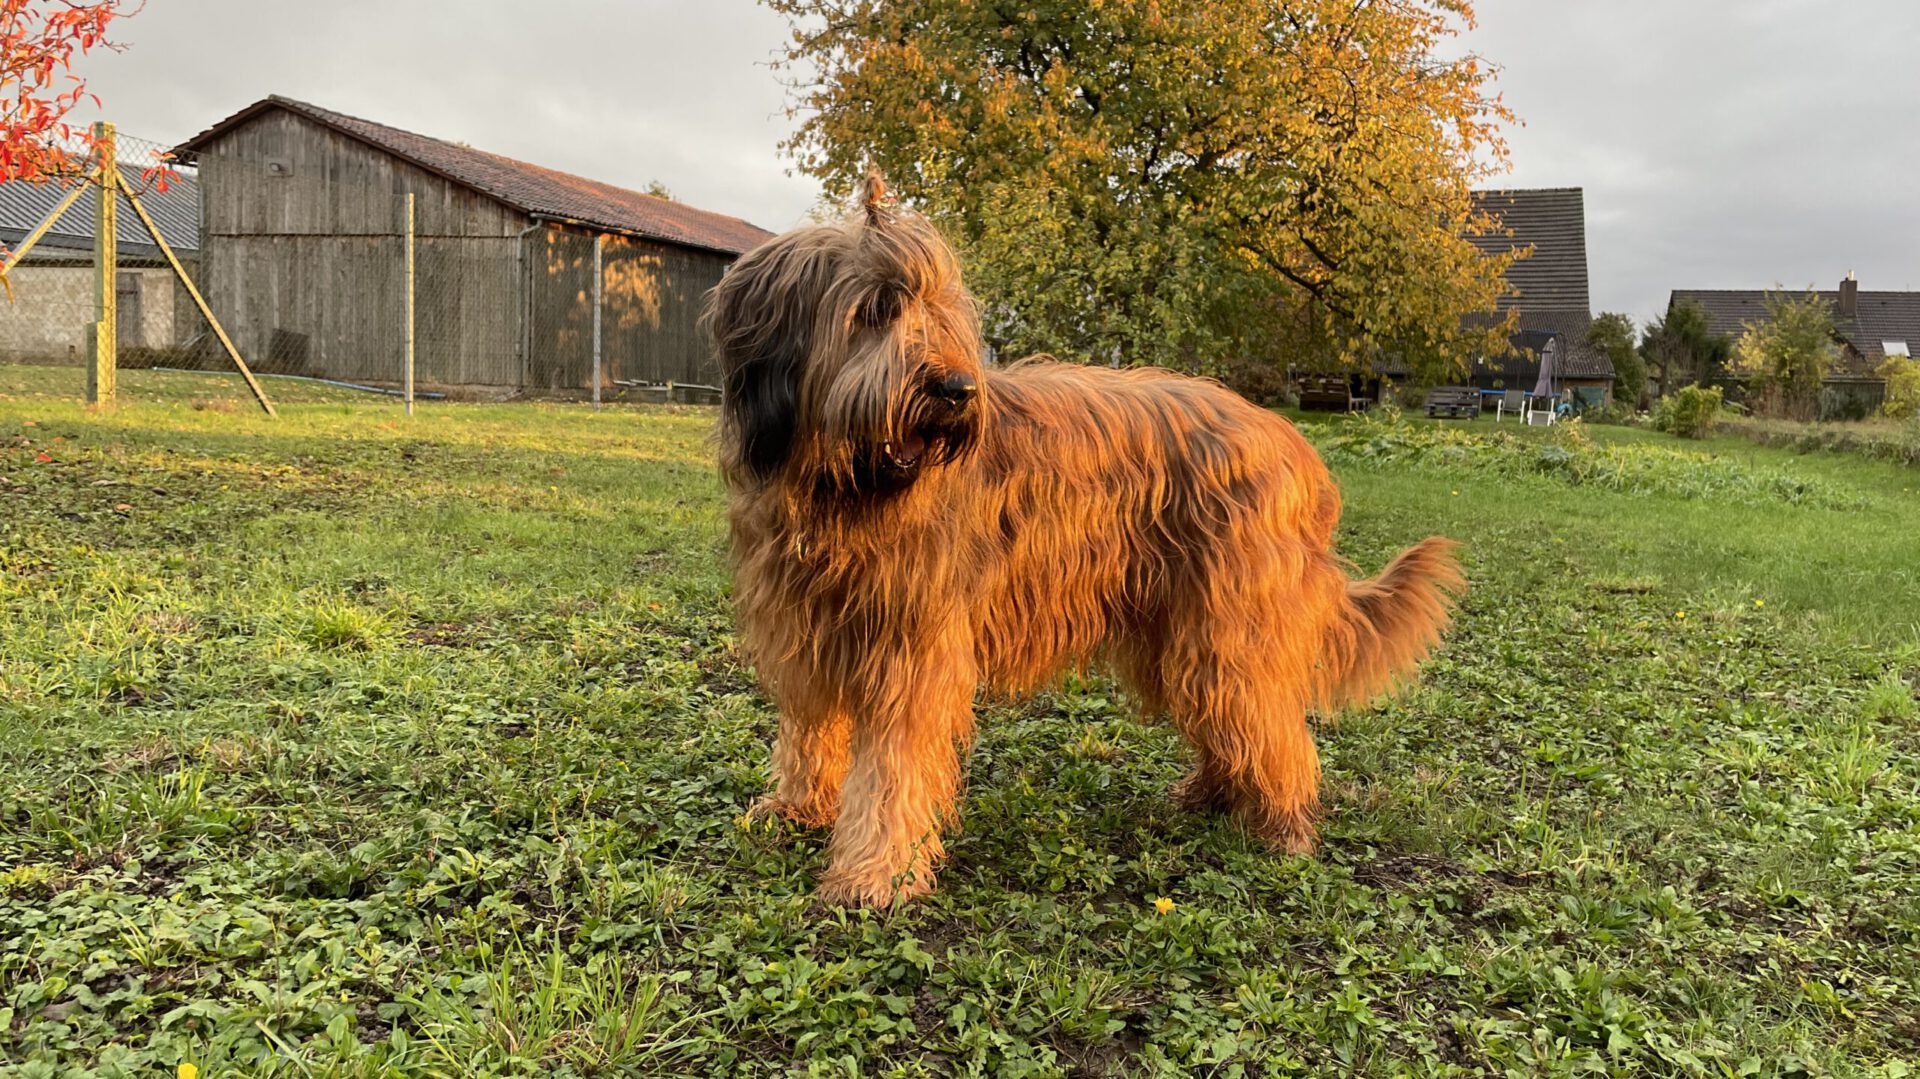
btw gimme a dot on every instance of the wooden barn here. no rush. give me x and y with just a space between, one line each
521 275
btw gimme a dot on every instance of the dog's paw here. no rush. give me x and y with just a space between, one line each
876 892
1288 833
1199 793
805 816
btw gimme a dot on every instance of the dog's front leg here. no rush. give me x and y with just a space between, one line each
809 764
904 780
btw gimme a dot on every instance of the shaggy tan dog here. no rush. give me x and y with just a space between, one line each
909 527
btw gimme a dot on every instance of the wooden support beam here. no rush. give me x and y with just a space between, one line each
199 301
26 244
103 360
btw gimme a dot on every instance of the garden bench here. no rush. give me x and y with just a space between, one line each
1453 402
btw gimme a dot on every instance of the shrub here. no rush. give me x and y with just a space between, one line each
1689 412
1786 355
1903 387
1569 455
1614 412
1264 383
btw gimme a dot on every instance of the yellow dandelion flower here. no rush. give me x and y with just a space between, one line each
1680 614
1759 603
186 1071
1163 905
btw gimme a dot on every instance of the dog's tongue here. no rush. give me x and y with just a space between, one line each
911 446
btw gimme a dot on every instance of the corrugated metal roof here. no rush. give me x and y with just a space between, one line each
176 210
528 188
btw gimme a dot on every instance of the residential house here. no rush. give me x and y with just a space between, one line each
1868 327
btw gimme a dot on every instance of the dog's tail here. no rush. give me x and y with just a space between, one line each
1388 624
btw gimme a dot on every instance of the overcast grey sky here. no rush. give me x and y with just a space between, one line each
1721 143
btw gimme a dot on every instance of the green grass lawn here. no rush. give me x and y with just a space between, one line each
349 744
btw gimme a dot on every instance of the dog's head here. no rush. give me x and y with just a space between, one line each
850 354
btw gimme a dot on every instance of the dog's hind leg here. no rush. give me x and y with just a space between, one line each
903 783
1257 761
810 757
1236 675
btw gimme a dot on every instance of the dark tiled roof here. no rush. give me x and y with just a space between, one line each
176 210
1551 220
1878 317
527 188
1530 336
1549 285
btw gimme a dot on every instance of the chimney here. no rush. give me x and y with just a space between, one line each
1849 297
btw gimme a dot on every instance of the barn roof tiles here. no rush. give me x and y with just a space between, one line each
529 188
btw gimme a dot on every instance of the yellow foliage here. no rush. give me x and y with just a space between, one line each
1903 386
1176 181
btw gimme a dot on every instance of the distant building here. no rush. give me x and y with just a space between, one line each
303 259
1868 327
1547 290
53 303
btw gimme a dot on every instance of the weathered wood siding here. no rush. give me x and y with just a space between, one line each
304 259
284 175
652 296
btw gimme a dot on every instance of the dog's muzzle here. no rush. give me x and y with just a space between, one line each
956 391
940 422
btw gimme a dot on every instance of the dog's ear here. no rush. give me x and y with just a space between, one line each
760 318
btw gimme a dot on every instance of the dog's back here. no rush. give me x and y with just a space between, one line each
1130 501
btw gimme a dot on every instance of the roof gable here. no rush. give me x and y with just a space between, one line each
1548 285
529 188
1553 222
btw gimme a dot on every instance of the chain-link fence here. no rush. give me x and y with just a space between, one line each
325 258
57 293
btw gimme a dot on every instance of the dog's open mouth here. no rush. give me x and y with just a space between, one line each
905 455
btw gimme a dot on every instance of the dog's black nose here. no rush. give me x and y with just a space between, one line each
955 389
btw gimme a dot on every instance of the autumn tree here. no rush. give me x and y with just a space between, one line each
1176 181
1612 334
1681 348
38 89
1786 356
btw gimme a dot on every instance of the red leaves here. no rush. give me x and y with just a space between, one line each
38 40
43 458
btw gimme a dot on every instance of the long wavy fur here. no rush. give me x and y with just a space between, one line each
896 551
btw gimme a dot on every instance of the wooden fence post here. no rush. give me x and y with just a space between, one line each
193 292
103 357
410 314
599 289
